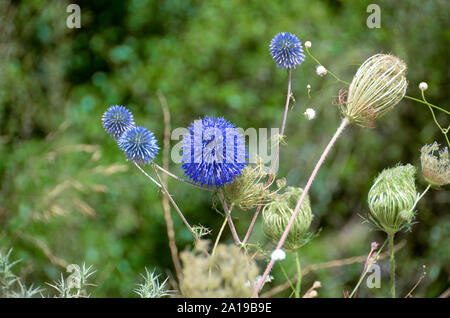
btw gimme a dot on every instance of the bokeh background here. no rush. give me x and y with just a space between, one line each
67 195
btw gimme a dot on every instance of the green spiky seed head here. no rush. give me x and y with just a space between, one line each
392 198
378 85
249 189
277 213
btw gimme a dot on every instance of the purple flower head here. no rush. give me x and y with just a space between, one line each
139 145
286 50
214 152
116 120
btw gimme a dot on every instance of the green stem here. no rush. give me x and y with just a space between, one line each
367 270
286 276
391 252
332 74
444 131
299 274
426 103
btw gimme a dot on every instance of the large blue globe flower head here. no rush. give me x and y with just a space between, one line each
286 50
139 145
214 152
116 120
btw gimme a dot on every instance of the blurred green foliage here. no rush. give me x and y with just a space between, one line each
67 195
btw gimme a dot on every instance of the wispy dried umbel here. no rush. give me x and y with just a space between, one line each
224 274
378 85
250 189
435 168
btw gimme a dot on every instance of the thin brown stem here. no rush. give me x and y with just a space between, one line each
165 200
274 164
326 265
170 174
229 219
338 132
175 205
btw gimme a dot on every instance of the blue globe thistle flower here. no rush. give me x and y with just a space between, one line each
286 50
139 145
116 120
213 152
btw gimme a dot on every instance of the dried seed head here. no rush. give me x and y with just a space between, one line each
249 189
435 168
277 213
378 85
224 274
392 198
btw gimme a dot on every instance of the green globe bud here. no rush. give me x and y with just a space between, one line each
277 213
378 85
392 198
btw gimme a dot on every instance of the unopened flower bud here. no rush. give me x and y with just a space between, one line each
310 113
392 198
277 213
423 86
378 85
278 255
308 44
321 70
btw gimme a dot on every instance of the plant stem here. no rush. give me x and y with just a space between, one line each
332 74
426 103
283 270
392 258
218 236
366 270
165 200
421 196
180 179
175 205
230 220
444 131
338 132
274 164
146 174
299 274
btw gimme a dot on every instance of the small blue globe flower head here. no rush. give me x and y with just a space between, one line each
214 152
116 120
139 145
286 50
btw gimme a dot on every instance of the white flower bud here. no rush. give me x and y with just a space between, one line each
278 255
321 71
423 86
310 113
308 44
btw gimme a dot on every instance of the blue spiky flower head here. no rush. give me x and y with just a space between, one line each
116 120
213 152
286 50
139 145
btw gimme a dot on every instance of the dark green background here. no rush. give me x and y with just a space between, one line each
58 198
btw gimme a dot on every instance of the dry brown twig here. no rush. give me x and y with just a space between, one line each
165 200
330 264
